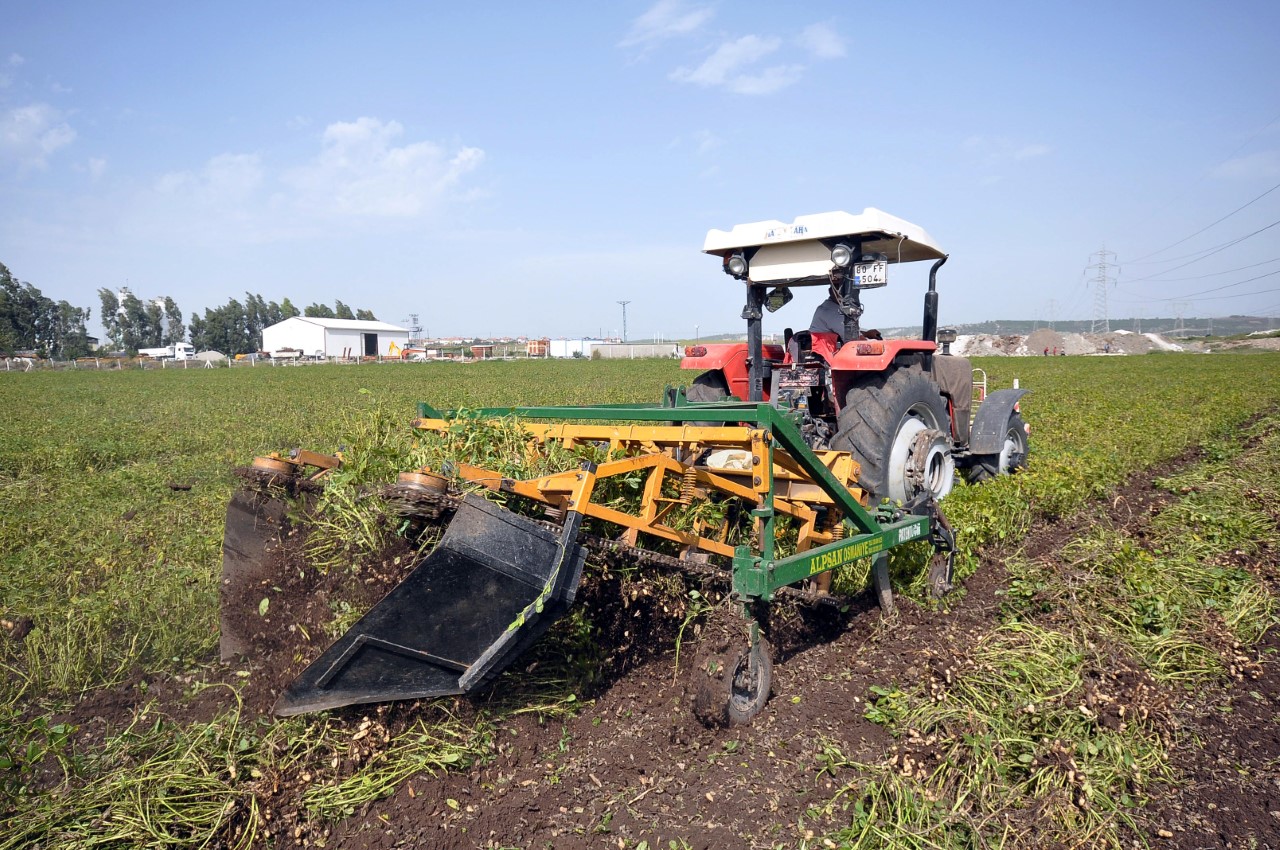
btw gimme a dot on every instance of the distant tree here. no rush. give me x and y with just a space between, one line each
31 321
71 337
342 311
366 315
174 329
134 323
255 315
287 310
110 318
319 311
153 331
198 331
275 315
225 329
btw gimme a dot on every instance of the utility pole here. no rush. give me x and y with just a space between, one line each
1178 308
414 330
624 319
1101 322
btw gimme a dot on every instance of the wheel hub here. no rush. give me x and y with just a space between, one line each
920 461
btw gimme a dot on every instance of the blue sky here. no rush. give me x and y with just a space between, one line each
521 168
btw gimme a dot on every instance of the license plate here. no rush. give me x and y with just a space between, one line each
789 379
867 275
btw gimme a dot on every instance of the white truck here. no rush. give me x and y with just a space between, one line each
177 351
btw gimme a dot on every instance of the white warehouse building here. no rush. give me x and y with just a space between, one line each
334 337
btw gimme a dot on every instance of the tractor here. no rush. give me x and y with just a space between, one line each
900 407
828 451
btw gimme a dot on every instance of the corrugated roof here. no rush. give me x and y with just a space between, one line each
347 324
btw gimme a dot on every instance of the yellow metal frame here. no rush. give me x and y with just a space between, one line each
782 485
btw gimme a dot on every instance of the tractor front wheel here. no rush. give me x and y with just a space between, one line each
1012 457
897 428
709 386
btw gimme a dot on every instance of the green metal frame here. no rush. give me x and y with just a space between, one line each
756 576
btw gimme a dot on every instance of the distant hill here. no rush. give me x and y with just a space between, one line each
1169 327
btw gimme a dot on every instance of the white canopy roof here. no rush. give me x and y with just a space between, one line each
796 250
350 324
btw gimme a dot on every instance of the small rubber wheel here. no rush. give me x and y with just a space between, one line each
750 680
732 686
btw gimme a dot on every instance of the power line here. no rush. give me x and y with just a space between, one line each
1240 295
1203 276
1204 291
1208 252
1207 226
1187 187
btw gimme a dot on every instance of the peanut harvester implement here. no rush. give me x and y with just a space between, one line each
847 441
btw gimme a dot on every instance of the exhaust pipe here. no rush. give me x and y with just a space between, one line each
931 304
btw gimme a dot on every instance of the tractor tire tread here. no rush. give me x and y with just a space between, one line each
873 409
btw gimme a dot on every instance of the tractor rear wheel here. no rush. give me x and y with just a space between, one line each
709 386
1012 457
897 428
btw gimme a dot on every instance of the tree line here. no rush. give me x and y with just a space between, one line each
30 321
236 328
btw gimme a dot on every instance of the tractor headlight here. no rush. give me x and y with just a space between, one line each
842 256
736 265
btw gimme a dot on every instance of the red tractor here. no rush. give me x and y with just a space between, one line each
902 407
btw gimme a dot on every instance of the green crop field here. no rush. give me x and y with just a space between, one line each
113 488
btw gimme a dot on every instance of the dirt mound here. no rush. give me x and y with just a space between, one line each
1054 343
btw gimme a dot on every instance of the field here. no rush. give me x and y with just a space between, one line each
1103 676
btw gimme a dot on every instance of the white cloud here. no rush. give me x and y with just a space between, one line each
720 66
706 141
822 41
1261 164
226 181
1032 151
361 172
15 60
666 19
998 150
767 81
727 67
29 135
97 167
735 65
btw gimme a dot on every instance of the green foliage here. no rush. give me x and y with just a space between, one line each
1057 711
120 572
24 746
29 321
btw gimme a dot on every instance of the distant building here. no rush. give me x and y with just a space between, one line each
537 347
633 350
334 337
572 347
